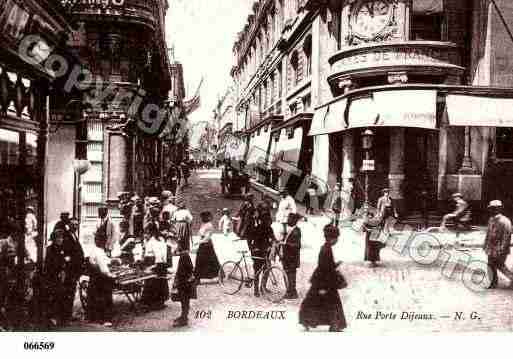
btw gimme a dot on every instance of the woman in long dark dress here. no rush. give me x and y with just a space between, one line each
184 288
322 305
207 264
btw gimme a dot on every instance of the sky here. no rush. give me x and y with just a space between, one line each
203 33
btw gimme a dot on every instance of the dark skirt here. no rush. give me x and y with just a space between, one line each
372 249
99 298
317 309
156 290
207 264
184 284
183 232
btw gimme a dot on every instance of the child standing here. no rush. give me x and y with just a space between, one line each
207 265
225 223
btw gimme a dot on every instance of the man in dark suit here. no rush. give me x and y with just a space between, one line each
291 254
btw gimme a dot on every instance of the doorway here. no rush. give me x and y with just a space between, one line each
421 166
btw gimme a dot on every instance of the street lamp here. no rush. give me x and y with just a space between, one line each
368 164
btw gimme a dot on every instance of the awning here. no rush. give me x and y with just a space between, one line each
398 108
464 110
427 7
287 149
258 147
329 119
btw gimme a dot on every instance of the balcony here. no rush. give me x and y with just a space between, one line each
138 12
397 61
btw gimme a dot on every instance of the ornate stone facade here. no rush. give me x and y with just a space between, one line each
121 44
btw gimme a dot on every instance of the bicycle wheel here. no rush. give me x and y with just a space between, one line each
274 284
231 277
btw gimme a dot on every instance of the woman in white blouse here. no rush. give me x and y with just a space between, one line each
182 219
156 290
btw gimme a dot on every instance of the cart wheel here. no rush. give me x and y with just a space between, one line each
83 285
138 292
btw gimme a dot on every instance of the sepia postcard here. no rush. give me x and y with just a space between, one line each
272 167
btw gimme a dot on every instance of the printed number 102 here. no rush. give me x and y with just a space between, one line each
202 314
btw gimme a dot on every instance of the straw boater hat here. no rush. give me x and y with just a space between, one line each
30 208
457 195
166 194
495 203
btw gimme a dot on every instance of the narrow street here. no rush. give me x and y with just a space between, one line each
398 286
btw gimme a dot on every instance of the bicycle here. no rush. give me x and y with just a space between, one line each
273 280
457 233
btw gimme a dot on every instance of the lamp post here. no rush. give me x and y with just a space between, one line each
368 164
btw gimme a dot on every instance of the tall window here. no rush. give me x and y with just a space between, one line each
427 27
307 49
271 88
504 143
294 65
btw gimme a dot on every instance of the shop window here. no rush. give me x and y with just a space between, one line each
504 143
427 27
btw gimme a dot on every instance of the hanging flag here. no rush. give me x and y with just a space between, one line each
194 103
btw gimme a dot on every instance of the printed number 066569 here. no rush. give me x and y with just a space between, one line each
39 345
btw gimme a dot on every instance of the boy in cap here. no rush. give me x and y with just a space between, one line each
497 243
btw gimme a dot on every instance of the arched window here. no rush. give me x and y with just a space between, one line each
307 49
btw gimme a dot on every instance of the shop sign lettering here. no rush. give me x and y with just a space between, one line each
102 3
394 56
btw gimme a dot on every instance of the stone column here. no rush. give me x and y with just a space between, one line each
348 174
396 173
117 166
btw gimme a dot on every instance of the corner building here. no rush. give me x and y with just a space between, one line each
430 78
121 45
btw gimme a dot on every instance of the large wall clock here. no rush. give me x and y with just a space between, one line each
370 19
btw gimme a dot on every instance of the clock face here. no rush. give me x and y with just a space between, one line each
371 17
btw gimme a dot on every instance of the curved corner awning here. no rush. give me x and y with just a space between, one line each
396 108
329 119
465 110
428 7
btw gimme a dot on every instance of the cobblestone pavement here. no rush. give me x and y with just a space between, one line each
399 285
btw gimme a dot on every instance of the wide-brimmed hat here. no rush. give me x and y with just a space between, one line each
495 203
457 195
385 190
31 208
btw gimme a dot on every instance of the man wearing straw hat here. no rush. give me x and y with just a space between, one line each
497 243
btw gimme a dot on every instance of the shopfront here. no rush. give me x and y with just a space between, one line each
24 121
405 149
